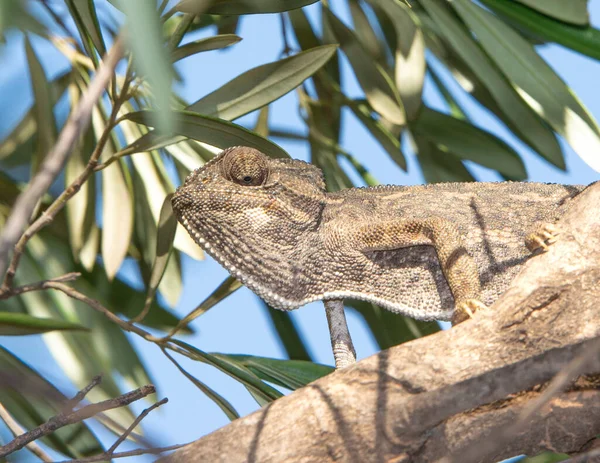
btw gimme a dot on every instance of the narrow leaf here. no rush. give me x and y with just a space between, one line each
364 30
468 142
535 81
18 324
573 11
238 7
509 102
288 333
291 374
216 42
84 15
150 56
215 132
410 54
377 85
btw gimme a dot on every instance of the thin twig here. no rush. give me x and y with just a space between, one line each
5 293
61 420
129 453
137 421
71 404
51 167
17 430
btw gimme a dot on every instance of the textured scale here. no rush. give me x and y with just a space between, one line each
272 225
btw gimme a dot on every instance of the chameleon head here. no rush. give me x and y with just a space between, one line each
246 209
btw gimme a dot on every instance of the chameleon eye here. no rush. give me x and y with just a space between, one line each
246 166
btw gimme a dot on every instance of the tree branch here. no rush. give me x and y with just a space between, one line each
449 392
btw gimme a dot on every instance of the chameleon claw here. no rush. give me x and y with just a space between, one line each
467 309
543 237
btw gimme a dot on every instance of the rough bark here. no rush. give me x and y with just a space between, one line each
461 394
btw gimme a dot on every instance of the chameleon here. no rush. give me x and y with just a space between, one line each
432 252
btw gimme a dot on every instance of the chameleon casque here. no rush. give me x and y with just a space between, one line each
436 251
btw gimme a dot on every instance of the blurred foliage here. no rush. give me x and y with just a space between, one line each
487 48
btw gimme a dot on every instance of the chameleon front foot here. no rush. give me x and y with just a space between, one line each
544 236
467 309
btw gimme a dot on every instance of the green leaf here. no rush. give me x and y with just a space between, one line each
288 333
291 374
377 85
535 81
85 18
262 85
468 142
34 407
585 40
227 287
14 14
216 42
165 234
237 7
215 132
117 206
150 56
385 138
573 11
42 108
366 33
437 165
223 404
18 324
520 115
233 369
410 54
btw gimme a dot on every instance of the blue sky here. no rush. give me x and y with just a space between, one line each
239 324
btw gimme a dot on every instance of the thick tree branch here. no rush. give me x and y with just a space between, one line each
444 394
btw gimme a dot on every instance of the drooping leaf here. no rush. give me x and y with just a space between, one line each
216 42
379 89
573 11
288 333
291 374
18 324
223 404
410 54
85 18
466 141
215 132
513 107
238 7
365 32
535 81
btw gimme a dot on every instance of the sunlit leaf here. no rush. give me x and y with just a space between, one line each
509 102
573 11
379 89
18 324
291 374
535 81
262 123
410 54
238 7
468 142
216 42
215 132
117 208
